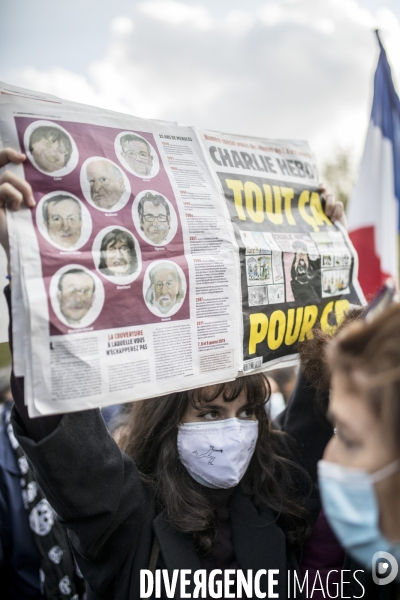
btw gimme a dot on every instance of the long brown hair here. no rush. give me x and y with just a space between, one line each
272 480
367 357
313 359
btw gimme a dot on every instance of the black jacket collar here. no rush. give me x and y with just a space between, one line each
258 541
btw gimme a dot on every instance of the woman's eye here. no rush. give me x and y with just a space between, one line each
246 414
349 444
211 416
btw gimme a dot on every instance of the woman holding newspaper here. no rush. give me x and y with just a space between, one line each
176 522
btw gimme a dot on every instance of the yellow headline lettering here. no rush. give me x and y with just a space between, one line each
262 204
340 308
294 321
237 187
254 201
309 319
329 329
311 210
276 331
258 330
294 325
317 210
303 201
275 204
288 194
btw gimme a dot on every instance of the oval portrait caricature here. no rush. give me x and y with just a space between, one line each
104 185
50 148
154 218
136 155
77 296
116 255
164 288
64 221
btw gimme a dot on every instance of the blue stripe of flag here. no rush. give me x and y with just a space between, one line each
386 112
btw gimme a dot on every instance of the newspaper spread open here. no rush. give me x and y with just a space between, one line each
160 257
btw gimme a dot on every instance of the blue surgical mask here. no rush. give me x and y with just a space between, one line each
351 507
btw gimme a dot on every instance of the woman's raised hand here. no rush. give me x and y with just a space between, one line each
14 191
334 209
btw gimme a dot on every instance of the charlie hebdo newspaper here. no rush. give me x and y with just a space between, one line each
297 268
160 257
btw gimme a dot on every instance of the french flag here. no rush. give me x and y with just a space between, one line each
373 211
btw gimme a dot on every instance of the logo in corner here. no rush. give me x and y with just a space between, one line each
384 568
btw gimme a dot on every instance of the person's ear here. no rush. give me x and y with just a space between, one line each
93 298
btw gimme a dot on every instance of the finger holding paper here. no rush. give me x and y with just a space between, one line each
14 191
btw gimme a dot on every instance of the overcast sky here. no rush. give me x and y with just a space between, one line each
272 68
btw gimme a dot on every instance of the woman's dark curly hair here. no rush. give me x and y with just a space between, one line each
314 362
272 480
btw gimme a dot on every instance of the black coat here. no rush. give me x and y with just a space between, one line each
96 491
19 556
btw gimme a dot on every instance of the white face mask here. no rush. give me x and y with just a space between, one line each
217 454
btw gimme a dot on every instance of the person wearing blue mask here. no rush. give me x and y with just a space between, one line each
359 476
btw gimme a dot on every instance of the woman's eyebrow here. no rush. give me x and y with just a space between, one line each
206 406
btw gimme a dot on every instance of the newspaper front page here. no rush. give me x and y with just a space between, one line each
298 269
160 257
